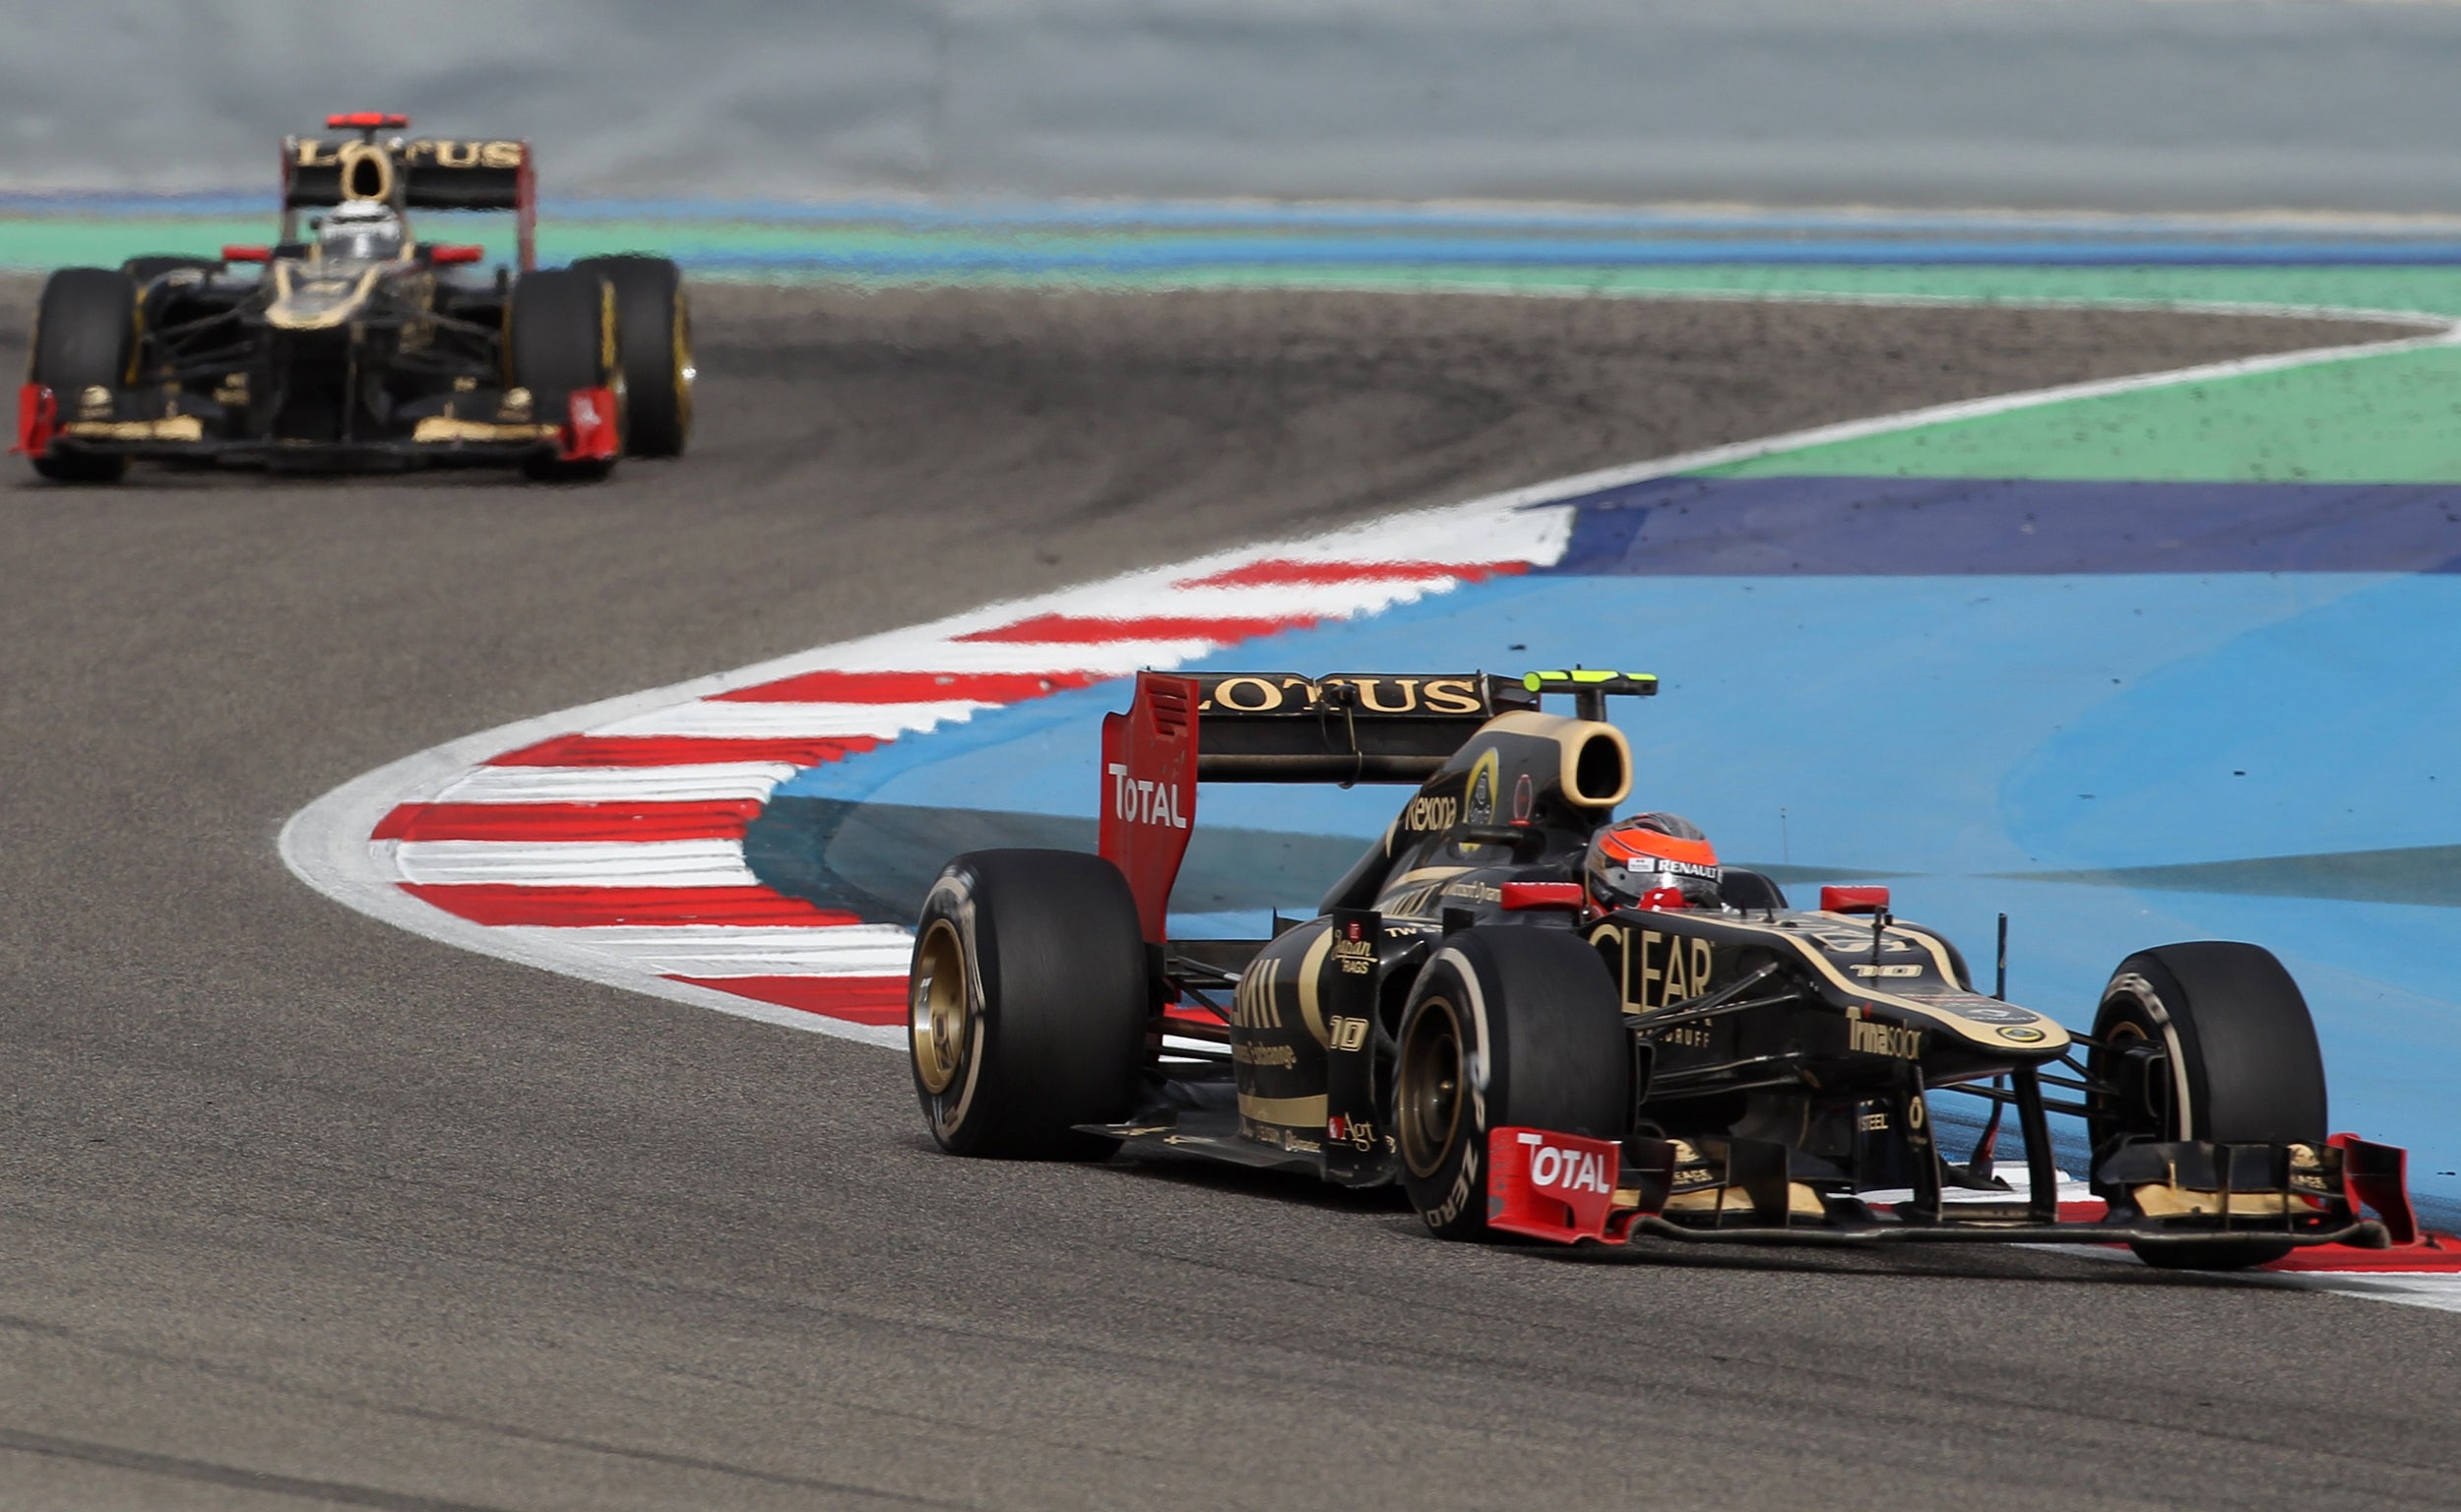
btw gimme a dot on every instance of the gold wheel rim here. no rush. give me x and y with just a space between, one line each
1430 1087
2123 1035
936 1009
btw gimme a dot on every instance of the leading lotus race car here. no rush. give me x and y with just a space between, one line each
361 344
1542 1021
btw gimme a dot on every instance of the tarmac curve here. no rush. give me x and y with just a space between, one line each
298 1208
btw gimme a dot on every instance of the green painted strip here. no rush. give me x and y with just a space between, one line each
2429 290
40 243
43 242
2388 419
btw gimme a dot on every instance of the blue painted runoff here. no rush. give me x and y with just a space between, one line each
1917 526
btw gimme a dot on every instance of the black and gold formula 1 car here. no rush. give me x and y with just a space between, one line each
360 345
1539 1022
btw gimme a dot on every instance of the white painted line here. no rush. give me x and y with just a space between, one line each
2418 1288
1310 600
939 654
576 863
2442 1293
765 719
717 950
707 781
650 939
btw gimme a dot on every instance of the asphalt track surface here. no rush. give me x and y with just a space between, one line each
295 1206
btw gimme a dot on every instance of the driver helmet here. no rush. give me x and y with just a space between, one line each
1633 857
361 231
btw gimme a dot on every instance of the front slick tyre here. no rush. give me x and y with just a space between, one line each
562 337
1507 1026
1027 1004
2233 1060
654 348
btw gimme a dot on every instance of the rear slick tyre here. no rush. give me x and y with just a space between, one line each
2235 1061
1027 1004
1506 1027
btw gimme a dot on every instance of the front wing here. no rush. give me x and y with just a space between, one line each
589 433
1565 1189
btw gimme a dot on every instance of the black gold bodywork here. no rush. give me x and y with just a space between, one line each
1784 1061
272 356
350 364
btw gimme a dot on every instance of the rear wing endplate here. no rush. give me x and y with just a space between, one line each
1270 728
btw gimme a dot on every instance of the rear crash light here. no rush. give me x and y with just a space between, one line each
456 254
242 254
1854 899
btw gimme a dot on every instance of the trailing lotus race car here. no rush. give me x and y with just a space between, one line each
360 345
1540 1020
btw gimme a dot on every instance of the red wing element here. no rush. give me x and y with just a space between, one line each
2434 1254
2378 1176
1544 895
236 252
1551 1186
366 120
37 417
590 431
1148 793
456 254
1854 899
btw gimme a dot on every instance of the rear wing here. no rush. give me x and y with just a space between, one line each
424 173
1346 728
1270 728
